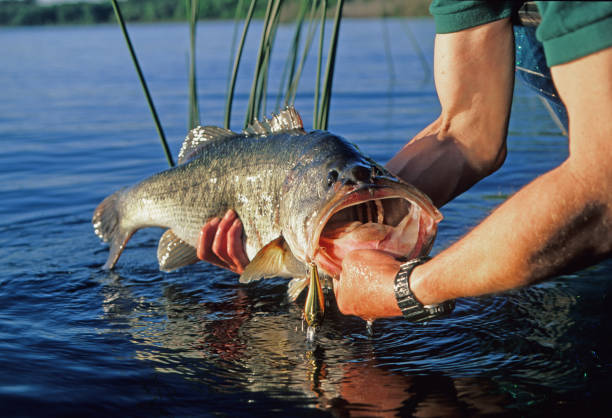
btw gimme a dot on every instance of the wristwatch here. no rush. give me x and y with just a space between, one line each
411 308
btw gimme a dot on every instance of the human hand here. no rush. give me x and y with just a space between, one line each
221 243
366 285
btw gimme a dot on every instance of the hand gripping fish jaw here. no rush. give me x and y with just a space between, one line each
314 308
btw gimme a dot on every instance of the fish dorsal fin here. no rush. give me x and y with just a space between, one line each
199 136
275 259
287 120
174 253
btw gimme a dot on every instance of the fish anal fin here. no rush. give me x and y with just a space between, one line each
275 259
286 120
199 137
174 253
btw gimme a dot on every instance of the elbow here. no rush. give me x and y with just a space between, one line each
481 143
490 161
483 157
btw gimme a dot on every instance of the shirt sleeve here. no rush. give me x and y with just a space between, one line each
453 16
573 29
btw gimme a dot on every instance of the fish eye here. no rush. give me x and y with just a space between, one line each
332 176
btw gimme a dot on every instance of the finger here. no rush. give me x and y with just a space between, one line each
235 246
219 245
204 250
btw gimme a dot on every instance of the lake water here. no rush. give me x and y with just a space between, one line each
76 340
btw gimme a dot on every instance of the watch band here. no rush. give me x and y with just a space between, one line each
411 308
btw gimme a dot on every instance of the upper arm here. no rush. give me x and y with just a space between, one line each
474 76
585 86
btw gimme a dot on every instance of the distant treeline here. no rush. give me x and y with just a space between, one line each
29 12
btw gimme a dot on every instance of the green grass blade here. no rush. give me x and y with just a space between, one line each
270 37
329 72
194 111
261 65
387 46
232 85
290 63
312 27
418 50
237 14
143 83
250 113
315 114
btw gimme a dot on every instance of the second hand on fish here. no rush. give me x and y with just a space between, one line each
314 308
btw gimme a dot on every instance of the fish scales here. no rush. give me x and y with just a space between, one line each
245 174
303 198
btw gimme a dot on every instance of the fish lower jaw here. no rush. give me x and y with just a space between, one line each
330 266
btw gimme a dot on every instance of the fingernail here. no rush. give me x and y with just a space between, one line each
230 214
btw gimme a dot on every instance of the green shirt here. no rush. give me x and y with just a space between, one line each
569 30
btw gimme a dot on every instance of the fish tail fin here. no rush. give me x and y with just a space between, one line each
106 222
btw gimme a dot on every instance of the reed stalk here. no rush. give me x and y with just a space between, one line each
270 37
312 27
143 83
418 50
323 115
192 8
290 64
317 89
233 45
232 85
387 46
262 63
250 113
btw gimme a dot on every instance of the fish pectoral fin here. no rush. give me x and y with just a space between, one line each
275 259
174 253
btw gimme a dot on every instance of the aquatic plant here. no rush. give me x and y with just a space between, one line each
143 83
193 7
292 72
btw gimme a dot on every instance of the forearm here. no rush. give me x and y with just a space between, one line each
557 224
439 165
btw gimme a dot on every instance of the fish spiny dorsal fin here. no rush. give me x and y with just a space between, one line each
198 137
287 120
174 253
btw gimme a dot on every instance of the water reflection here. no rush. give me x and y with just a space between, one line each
249 338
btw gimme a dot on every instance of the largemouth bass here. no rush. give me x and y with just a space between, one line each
304 199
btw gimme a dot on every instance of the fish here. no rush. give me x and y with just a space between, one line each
304 198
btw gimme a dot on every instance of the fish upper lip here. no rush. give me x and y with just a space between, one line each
382 188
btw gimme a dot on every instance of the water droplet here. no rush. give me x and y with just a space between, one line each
369 329
310 334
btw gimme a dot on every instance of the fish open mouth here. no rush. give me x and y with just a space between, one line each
386 216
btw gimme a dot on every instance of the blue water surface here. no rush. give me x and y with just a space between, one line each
77 340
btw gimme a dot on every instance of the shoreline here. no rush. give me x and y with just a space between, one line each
18 14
